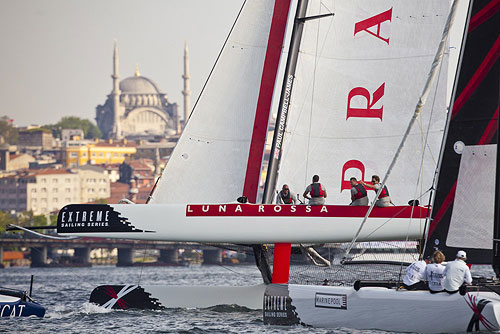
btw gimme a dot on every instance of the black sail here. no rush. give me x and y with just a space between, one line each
473 122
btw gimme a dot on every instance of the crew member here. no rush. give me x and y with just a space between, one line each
285 196
383 199
434 272
317 191
358 193
456 273
415 276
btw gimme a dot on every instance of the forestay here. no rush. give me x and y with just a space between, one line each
358 78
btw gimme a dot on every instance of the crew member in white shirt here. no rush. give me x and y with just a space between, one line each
456 274
415 276
434 272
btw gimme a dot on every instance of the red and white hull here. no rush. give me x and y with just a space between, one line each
240 223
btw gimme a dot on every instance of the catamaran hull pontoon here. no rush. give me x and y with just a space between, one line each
324 306
381 308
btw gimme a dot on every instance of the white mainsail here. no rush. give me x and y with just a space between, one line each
358 78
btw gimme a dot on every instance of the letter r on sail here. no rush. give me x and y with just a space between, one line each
367 112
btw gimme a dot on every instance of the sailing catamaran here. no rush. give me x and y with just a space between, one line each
353 74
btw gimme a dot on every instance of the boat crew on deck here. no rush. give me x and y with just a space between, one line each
456 273
383 199
358 193
285 196
415 275
317 191
434 272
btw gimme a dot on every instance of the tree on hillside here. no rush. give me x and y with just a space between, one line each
7 130
5 218
90 130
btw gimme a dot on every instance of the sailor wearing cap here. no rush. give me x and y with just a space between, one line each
456 273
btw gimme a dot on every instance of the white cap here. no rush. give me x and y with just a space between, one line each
461 254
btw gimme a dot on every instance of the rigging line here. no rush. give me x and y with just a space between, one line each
233 271
215 64
426 143
426 138
312 101
143 264
389 219
323 4
418 109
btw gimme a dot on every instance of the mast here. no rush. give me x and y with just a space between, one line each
286 90
281 264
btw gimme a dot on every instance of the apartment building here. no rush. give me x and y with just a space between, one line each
94 183
82 152
41 191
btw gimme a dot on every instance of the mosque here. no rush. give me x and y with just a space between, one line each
136 108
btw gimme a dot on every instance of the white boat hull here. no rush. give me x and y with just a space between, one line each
380 308
177 296
323 306
241 223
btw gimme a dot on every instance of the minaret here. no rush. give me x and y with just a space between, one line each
117 132
186 92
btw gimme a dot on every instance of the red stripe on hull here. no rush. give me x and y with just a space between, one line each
271 62
271 210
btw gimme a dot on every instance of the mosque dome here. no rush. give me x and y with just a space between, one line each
138 85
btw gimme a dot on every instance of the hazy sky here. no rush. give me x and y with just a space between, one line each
56 55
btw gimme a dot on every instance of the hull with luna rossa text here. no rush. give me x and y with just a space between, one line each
241 223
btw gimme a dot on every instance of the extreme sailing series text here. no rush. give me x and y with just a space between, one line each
90 218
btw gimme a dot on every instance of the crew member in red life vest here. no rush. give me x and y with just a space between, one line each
317 192
285 196
358 193
383 199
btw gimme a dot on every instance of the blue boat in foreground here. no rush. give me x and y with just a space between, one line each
17 303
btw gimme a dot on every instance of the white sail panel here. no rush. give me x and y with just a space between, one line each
471 224
210 159
358 79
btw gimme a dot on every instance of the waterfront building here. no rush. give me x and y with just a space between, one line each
94 183
36 139
11 161
72 134
81 152
41 191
